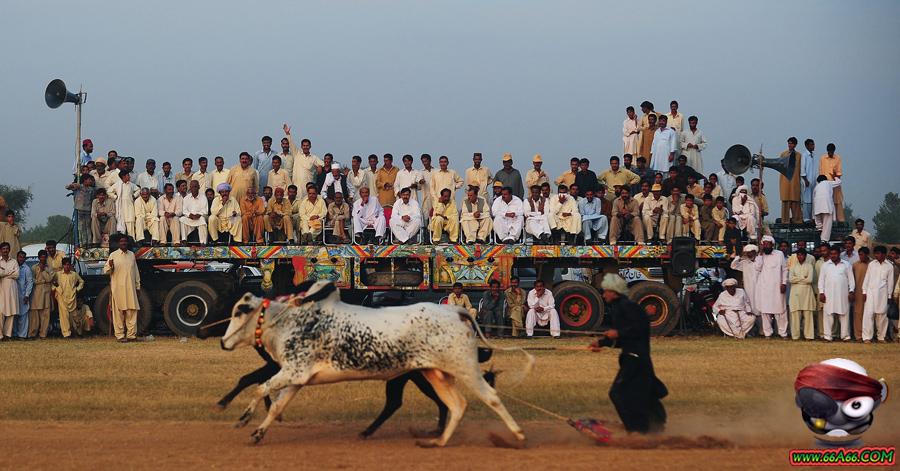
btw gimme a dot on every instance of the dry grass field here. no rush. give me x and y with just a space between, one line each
84 403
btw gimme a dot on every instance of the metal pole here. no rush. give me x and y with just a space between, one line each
759 228
76 168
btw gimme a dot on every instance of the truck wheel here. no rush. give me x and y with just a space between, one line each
579 305
661 304
187 305
103 313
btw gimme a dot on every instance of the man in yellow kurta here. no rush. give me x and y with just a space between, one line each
802 301
67 285
568 178
690 217
445 218
278 217
243 176
124 282
790 189
515 305
39 312
537 176
384 181
225 216
339 217
478 175
616 177
458 298
146 216
253 210
10 232
830 166
278 177
445 178
311 216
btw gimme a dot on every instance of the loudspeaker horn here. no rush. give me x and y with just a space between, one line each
738 160
57 94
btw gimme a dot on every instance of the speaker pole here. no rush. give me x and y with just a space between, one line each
759 223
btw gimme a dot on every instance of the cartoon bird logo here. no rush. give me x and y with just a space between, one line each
836 398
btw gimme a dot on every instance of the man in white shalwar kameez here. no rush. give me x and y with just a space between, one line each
733 312
565 219
508 214
876 288
407 177
537 220
836 286
823 205
194 211
808 174
406 218
745 264
745 211
125 192
630 133
771 286
9 291
692 144
665 141
146 216
541 310
368 214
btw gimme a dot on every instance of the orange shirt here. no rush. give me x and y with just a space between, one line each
830 165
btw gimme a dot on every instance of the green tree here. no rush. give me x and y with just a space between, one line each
887 220
17 199
56 228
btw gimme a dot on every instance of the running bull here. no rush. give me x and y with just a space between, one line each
323 340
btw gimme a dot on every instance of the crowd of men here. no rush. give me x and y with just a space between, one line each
849 291
504 313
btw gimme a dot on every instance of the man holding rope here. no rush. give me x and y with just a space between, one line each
636 391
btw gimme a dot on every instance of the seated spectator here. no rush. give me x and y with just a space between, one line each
103 218
732 237
490 313
655 215
338 217
625 216
253 211
406 218
690 218
170 209
515 305
444 219
368 216
565 220
475 218
720 216
458 298
225 217
508 216
334 181
537 220
278 216
146 218
541 311
708 226
194 211
311 214
594 224
745 212
733 312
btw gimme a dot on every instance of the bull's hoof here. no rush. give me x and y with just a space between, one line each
219 407
244 419
257 435
364 434
501 442
280 418
433 443
416 433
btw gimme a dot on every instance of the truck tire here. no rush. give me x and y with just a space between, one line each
187 305
661 304
103 315
579 305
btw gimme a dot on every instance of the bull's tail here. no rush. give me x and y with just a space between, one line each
529 358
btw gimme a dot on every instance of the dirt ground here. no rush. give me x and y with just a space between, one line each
96 404
169 445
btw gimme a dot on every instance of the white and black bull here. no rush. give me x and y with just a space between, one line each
324 340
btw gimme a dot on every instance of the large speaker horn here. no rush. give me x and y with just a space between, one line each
57 94
738 160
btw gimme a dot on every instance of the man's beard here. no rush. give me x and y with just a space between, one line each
768 250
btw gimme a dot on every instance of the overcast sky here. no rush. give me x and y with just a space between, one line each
170 80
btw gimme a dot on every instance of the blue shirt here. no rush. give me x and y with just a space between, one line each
588 208
262 162
85 158
25 284
163 179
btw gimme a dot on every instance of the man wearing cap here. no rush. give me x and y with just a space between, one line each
146 217
655 214
444 219
802 275
475 217
508 212
665 141
99 172
406 218
592 218
335 182
478 175
194 211
510 177
368 214
170 209
225 217
745 211
771 285
536 176
537 220
733 311
745 263
626 214
616 177
636 391
565 220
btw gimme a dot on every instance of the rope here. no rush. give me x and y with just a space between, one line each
533 406
578 332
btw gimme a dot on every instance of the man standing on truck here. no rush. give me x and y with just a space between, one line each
636 391
124 283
